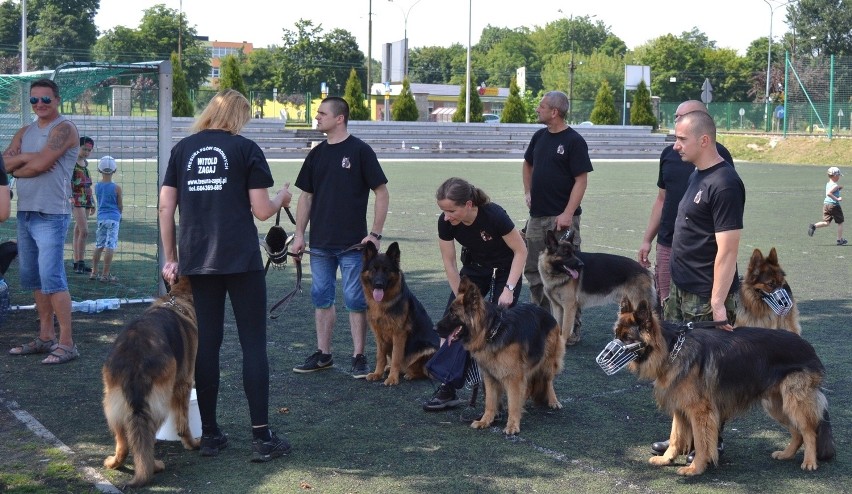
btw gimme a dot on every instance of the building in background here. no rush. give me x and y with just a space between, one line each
219 50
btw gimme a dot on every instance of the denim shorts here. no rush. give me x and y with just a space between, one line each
107 234
324 264
41 244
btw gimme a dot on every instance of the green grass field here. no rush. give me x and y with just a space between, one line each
352 436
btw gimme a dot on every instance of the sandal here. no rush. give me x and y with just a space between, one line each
93 276
108 278
36 346
68 354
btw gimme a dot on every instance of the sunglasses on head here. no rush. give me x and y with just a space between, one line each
44 99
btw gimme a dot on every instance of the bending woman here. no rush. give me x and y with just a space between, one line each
493 254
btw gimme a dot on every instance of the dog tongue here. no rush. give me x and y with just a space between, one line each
378 294
574 274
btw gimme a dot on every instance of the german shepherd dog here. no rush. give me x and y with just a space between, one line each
766 300
404 331
575 279
519 351
149 372
704 376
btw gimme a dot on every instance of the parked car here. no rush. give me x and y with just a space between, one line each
490 118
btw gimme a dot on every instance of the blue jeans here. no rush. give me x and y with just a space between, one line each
324 264
41 243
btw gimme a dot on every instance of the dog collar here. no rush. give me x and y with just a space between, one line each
496 328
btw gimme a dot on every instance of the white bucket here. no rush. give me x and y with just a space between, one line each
168 431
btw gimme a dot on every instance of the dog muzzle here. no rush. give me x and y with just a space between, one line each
616 355
275 243
779 301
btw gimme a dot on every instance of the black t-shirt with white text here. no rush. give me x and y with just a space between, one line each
213 172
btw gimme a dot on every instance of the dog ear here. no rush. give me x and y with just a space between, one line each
550 241
369 253
773 257
393 252
625 306
642 312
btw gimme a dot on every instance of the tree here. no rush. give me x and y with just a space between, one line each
230 78
641 112
308 57
436 64
353 95
10 29
823 26
155 39
475 105
672 57
405 108
604 112
63 31
181 105
514 111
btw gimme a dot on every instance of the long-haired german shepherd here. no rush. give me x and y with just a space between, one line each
519 350
575 279
705 376
766 300
149 372
403 330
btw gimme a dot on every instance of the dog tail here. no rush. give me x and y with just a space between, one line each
146 413
825 440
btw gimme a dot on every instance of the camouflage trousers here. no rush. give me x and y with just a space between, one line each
683 306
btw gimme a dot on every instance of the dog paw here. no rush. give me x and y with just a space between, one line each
659 461
159 466
783 455
809 466
373 376
690 470
190 443
555 405
480 424
512 429
392 380
111 463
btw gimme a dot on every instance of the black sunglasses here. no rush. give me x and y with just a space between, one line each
44 99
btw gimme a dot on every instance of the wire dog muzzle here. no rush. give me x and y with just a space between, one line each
616 355
778 300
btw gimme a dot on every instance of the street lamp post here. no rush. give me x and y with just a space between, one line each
405 34
370 59
467 76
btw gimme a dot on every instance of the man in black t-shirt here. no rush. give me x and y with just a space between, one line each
706 235
555 174
672 181
336 179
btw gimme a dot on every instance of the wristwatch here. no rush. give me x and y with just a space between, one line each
511 287
377 236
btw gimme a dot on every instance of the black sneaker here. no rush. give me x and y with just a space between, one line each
359 366
262 451
317 361
811 230
211 445
842 241
444 397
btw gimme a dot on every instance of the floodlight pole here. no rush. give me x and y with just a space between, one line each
467 77
23 36
370 59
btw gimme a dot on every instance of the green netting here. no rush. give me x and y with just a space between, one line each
117 106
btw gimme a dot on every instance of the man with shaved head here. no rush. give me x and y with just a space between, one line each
706 237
